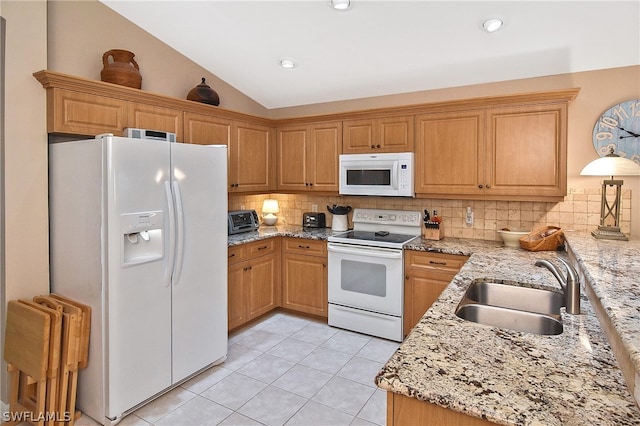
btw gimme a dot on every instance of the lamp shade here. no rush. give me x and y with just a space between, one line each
270 206
611 165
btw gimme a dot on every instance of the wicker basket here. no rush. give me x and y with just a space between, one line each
543 239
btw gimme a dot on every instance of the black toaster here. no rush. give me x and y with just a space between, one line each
314 220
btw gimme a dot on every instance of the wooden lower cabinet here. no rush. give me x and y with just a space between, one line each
426 275
304 276
253 280
405 411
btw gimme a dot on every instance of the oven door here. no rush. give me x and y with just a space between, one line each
368 278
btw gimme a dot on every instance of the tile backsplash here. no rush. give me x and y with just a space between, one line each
579 211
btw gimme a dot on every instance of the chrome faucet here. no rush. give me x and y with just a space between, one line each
570 284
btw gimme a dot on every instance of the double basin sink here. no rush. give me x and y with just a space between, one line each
512 307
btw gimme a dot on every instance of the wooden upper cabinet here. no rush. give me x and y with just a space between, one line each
143 116
73 112
251 158
495 153
391 134
326 146
527 149
308 157
450 153
206 130
292 150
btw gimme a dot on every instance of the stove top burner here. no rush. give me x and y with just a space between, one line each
372 238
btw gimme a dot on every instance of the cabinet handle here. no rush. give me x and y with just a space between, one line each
263 247
232 255
433 262
303 247
310 184
378 146
373 146
480 186
488 186
406 277
324 265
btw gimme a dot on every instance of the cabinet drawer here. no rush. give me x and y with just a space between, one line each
235 254
304 246
450 263
260 248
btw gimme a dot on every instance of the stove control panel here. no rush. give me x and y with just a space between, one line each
387 217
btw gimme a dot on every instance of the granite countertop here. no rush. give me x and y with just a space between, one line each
506 376
510 377
293 231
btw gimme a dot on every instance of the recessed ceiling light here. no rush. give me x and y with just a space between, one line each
287 63
491 25
340 4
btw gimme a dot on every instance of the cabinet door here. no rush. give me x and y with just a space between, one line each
450 153
304 284
323 157
152 117
236 296
82 114
293 151
206 130
527 151
262 285
426 275
358 136
396 134
252 158
419 294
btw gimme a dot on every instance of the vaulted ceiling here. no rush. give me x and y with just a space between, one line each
386 47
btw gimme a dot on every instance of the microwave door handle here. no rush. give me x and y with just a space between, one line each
394 175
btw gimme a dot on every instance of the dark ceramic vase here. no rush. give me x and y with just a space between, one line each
203 93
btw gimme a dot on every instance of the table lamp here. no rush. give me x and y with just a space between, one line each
610 165
269 207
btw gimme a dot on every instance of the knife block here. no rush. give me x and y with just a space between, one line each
433 230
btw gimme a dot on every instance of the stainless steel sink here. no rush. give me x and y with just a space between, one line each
512 319
515 297
513 307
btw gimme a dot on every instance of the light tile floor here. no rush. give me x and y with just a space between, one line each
284 369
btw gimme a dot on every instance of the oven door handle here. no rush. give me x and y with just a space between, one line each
373 251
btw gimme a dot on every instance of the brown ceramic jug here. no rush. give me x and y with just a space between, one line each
122 69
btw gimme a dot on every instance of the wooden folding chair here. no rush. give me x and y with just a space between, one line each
26 351
71 342
55 314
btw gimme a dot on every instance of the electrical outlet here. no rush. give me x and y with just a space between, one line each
314 207
242 207
469 217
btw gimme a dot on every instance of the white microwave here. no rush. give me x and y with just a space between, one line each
377 174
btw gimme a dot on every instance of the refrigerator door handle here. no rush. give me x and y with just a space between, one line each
172 235
180 240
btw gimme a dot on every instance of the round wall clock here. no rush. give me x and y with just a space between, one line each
619 128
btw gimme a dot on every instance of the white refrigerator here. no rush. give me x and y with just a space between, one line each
138 231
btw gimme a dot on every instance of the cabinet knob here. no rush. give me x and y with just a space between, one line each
378 146
488 186
373 146
310 184
406 277
480 186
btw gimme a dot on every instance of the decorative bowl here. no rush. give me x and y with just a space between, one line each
511 238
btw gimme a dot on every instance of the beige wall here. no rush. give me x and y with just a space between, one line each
81 31
26 259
